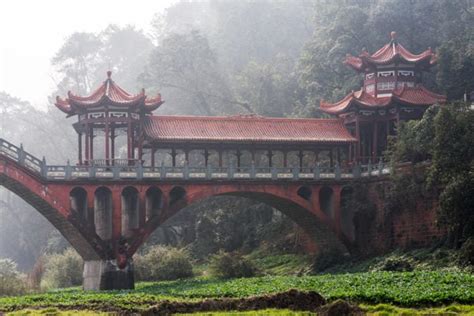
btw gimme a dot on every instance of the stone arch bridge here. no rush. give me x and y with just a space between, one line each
107 213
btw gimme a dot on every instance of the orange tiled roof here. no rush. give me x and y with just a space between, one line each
109 93
390 53
415 96
245 128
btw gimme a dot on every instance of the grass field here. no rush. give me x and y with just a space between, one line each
409 289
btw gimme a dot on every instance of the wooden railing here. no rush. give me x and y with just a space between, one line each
127 170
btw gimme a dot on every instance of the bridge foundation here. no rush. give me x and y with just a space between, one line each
106 275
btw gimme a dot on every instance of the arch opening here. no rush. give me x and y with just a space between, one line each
103 213
154 202
326 201
305 192
130 206
177 194
78 202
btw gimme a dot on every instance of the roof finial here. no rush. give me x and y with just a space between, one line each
109 74
393 35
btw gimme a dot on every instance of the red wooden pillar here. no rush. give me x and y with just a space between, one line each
270 158
79 144
238 155
300 157
107 140
206 157
374 141
112 145
252 154
357 147
87 138
129 139
153 152
331 160
173 157
220 158
91 151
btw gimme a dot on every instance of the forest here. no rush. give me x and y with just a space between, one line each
270 58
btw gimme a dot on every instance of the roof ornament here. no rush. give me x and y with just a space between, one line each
109 74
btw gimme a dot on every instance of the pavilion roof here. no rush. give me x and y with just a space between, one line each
391 52
245 129
416 96
108 93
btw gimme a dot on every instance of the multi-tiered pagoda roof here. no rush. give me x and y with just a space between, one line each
392 76
110 94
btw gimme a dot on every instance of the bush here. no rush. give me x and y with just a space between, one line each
397 265
63 270
327 259
231 265
163 263
11 282
466 253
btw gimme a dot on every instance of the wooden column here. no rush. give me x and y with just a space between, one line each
220 158
300 157
238 154
91 151
87 138
285 159
153 152
206 157
316 157
374 141
252 154
129 139
107 140
357 147
186 156
338 153
270 158
173 157
331 158
112 143
79 144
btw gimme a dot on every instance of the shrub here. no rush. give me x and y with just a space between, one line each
163 263
397 265
327 259
466 253
231 265
11 282
63 270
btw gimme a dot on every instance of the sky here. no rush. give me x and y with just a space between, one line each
32 31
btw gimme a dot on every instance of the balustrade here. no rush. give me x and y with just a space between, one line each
133 169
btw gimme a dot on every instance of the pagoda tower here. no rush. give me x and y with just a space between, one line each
392 92
109 111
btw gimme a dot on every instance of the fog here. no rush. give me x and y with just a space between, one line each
271 58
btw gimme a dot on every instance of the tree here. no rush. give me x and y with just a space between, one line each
186 68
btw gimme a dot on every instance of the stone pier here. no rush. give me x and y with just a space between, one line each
106 275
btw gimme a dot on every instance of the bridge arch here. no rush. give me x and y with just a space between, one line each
53 205
300 209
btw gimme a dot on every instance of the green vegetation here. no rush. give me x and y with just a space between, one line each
417 288
163 263
231 265
11 282
63 270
